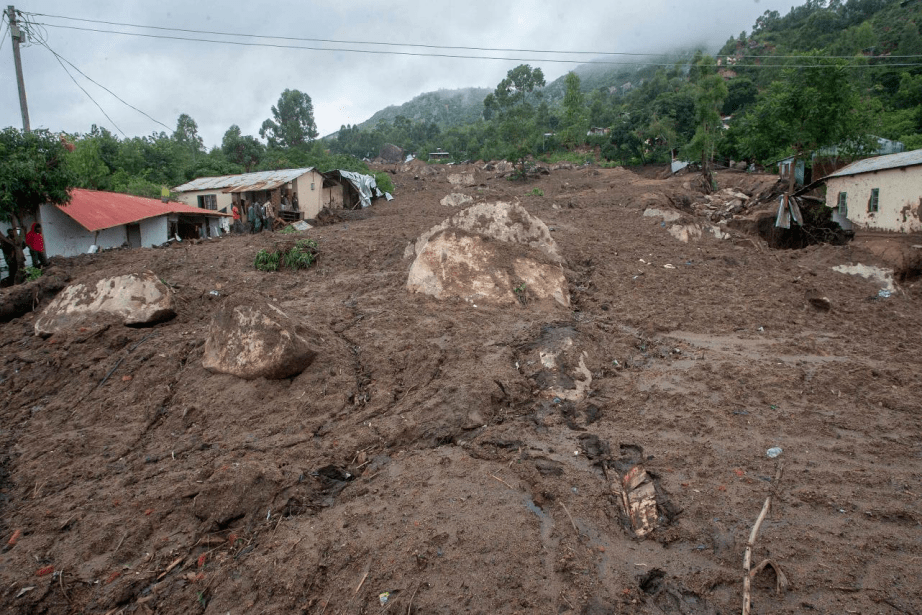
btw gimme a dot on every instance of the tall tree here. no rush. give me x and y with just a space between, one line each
710 93
815 104
33 171
292 123
509 105
574 105
244 150
186 135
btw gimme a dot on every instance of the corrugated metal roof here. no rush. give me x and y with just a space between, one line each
261 180
95 211
881 163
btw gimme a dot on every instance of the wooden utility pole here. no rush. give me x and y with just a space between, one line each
16 37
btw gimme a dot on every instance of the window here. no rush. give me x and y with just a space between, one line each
843 205
873 202
208 201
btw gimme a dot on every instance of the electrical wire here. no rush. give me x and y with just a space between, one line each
456 56
416 45
58 58
5 32
117 97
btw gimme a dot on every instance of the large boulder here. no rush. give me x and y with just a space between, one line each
250 338
135 299
456 264
462 179
506 222
391 153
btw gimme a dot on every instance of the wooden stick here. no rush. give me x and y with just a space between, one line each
362 582
571 517
61 583
747 557
410 605
502 481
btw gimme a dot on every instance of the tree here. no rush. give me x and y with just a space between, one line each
33 171
709 97
814 104
510 108
244 150
186 135
574 104
293 122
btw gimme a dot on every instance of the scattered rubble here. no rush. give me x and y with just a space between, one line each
456 199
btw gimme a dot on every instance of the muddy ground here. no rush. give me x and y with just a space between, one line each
421 456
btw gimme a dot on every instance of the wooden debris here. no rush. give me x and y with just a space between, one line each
747 557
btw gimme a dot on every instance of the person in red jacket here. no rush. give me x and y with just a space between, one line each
36 244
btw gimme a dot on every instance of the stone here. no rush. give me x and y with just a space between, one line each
668 215
134 300
462 179
456 199
457 264
506 222
251 338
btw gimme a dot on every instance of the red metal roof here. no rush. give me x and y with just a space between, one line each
95 211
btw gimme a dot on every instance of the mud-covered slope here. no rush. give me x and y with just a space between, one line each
428 462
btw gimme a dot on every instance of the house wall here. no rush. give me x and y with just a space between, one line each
191 198
310 202
899 200
153 231
64 237
333 197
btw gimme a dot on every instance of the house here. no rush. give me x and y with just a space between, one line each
349 190
296 193
826 160
878 194
439 155
110 220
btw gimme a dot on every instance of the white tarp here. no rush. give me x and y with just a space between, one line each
366 186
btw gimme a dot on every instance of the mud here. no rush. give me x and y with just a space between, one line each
425 462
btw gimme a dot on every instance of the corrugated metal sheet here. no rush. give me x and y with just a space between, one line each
261 180
95 211
881 163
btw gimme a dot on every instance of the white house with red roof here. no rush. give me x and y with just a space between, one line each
111 220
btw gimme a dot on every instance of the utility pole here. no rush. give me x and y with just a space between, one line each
16 37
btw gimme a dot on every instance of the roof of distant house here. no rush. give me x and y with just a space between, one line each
881 163
245 182
95 210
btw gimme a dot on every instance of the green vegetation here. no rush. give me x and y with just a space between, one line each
537 192
301 255
33 273
33 171
786 92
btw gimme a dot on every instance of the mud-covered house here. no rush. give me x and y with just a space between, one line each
878 194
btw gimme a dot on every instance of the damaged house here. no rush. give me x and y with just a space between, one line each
350 190
294 193
111 219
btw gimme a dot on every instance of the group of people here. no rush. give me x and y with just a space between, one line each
259 217
35 241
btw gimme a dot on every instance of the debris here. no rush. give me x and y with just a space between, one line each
747 557
668 266
883 293
46 570
25 590
773 452
641 498
879 275
818 301
14 538
383 597
456 199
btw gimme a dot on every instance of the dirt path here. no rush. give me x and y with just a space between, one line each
422 455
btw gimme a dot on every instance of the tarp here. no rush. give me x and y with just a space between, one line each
366 186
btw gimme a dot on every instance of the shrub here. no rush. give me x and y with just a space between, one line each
301 255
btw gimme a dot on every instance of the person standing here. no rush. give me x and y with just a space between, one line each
9 253
36 244
235 210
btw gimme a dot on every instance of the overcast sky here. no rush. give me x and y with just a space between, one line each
220 85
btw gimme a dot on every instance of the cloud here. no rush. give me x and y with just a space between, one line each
221 85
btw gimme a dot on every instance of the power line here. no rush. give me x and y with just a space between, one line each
84 90
415 45
117 97
5 32
454 56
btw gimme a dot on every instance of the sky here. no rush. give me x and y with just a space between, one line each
223 84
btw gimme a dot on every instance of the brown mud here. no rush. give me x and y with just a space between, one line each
425 463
